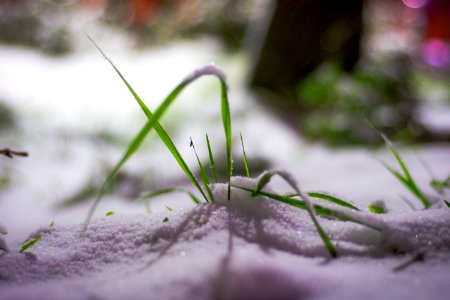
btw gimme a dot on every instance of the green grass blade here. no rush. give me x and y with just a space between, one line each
376 209
226 118
440 185
447 203
320 210
29 243
332 199
203 175
411 183
247 171
212 163
405 179
265 178
157 193
132 148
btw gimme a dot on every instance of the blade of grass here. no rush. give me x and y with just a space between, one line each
376 209
29 243
265 178
406 179
212 163
203 175
440 185
157 193
332 199
320 210
247 171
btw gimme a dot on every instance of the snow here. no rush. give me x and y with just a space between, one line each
245 248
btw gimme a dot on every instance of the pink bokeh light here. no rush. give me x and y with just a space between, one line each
436 52
415 3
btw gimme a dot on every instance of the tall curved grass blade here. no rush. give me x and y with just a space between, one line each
203 175
265 178
247 171
132 148
212 163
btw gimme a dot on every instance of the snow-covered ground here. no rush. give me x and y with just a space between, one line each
224 250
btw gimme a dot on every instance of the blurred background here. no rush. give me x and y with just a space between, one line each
303 77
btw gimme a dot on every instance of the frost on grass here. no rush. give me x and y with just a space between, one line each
243 248
210 69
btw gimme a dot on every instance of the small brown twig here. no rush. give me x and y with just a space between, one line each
11 153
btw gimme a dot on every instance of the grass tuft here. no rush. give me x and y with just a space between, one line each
405 178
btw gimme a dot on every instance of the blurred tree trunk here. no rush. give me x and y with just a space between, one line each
301 35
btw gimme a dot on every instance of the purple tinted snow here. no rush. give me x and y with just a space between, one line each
276 253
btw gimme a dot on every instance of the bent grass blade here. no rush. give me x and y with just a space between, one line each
265 178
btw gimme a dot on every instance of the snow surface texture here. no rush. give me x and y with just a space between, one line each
246 248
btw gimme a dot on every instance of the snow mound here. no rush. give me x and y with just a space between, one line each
243 248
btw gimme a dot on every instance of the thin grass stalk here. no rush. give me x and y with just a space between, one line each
212 163
247 171
309 207
203 175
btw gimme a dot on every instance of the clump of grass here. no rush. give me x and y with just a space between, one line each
153 123
405 179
